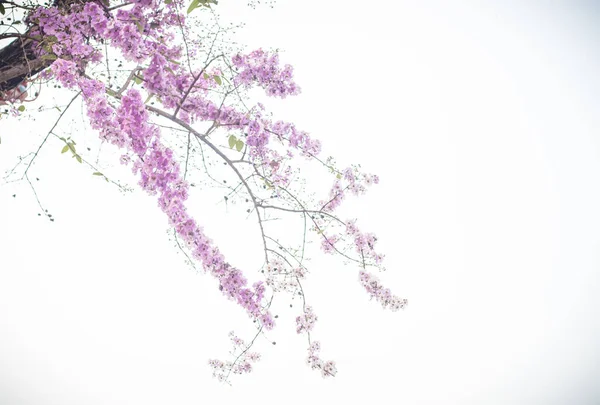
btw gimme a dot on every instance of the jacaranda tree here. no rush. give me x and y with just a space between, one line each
141 68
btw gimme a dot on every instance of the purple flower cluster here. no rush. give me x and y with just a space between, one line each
142 32
128 127
263 68
65 34
160 174
68 32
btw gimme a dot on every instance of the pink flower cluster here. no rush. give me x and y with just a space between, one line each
381 294
328 368
306 321
364 243
355 182
263 68
295 137
282 278
328 243
242 365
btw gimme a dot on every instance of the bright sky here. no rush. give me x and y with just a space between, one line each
482 122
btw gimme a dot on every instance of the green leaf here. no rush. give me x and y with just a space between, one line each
232 141
217 79
21 108
194 5
338 176
97 174
78 158
239 145
49 56
65 149
149 97
137 79
206 76
139 26
168 1
2 9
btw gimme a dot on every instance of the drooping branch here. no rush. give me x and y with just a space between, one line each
142 33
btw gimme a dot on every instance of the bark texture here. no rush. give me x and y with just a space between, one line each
18 62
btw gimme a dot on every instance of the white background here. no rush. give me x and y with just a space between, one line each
482 122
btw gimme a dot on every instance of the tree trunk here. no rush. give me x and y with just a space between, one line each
18 62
